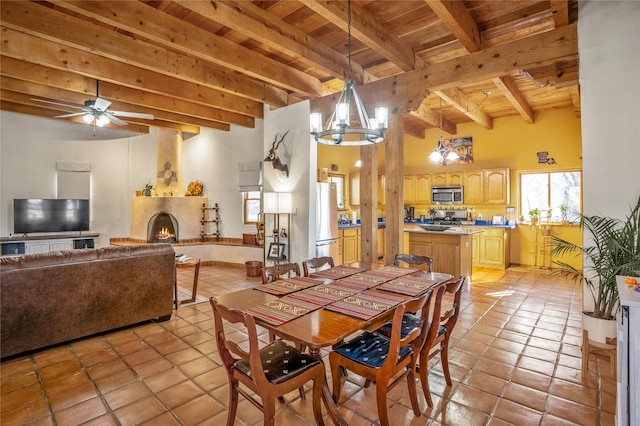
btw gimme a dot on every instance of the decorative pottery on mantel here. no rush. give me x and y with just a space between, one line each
195 189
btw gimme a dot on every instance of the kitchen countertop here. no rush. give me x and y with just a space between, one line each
451 231
477 224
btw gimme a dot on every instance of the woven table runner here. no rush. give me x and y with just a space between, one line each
411 286
366 280
282 310
397 270
324 294
336 272
365 305
287 285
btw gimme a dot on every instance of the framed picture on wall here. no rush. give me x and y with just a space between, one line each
276 251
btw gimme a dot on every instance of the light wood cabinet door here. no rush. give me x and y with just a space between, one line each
496 186
473 187
350 246
446 257
423 189
455 178
475 249
439 179
340 259
409 189
421 244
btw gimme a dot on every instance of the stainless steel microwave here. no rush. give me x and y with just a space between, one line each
447 195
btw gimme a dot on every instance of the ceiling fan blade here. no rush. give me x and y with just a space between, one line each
117 121
75 114
101 104
132 114
57 103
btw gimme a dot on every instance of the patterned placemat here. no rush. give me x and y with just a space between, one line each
365 305
397 270
324 294
337 272
288 285
281 310
411 286
366 280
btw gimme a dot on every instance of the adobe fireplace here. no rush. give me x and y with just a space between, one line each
162 228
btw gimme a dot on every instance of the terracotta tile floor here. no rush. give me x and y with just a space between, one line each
515 359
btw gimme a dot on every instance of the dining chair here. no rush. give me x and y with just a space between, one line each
437 341
414 259
317 262
269 372
272 273
380 359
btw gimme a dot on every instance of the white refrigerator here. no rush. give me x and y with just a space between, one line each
327 221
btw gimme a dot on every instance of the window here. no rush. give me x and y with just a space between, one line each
251 206
551 190
339 181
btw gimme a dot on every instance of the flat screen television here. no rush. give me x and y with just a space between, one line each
47 215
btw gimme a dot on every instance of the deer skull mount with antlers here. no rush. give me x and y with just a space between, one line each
273 157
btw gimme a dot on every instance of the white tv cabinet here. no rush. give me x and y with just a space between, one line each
17 246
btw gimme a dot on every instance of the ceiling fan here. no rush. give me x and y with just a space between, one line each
96 111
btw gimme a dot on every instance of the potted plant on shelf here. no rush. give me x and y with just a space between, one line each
564 210
612 247
534 214
147 190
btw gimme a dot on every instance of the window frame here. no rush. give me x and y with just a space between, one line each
245 200
340 192
523 210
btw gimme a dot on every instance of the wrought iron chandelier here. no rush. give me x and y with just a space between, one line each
442 153
338 131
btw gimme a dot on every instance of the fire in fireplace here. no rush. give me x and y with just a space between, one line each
162 228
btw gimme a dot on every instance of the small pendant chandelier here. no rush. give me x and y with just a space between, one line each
338 131
442 153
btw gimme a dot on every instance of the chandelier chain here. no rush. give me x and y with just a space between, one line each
349 36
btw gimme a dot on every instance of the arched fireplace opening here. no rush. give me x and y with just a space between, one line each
162 228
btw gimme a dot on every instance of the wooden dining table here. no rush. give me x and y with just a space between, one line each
322 327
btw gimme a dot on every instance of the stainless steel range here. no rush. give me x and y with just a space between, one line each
449 215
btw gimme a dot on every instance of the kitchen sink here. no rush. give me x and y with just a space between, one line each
432 227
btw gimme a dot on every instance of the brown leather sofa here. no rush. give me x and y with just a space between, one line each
51 298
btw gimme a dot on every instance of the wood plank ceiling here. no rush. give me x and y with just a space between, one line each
217 63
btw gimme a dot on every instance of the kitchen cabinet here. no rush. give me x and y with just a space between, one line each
409 189
492 248
473 184
35 247
339 261
455 178
451 252
350 241
423 189
439 179
496 188
446 179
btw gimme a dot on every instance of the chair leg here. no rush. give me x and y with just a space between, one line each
381 399
424 375
269 411
336 377
444 358
317 398
411 384
233 402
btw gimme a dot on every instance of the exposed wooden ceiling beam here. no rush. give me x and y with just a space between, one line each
432 117
462 103
53 26
172 33
560 12
368 30
37 78
256 23
509 89
458 20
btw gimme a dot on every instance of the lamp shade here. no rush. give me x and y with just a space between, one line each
277 202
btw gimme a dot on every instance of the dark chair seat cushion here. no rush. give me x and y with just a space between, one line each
409 322
280 362
369 349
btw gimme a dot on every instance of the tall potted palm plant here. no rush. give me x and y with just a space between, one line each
612 247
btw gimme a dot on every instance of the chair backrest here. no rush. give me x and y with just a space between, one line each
229 351
449 318
413 259
272 273
317 262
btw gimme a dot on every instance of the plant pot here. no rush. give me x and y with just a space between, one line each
545 232
599 329
534 221
565 222
147 193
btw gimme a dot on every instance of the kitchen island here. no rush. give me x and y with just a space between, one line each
451 250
